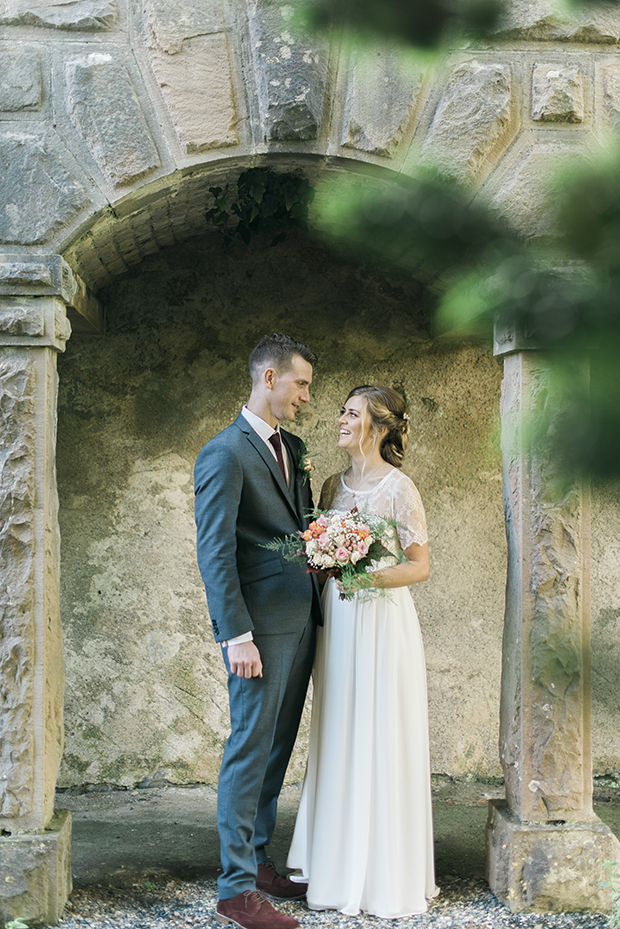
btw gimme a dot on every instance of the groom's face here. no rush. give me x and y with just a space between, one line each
290 388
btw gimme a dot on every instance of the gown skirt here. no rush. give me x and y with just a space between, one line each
364 835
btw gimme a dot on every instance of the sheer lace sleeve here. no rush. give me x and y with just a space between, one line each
328 491
408 511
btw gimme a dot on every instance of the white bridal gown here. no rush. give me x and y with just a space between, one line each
364 835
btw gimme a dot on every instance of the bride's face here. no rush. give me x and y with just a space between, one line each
354 425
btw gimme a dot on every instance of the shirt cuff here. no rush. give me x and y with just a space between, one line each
238 639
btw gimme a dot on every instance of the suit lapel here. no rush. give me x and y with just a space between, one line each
258 444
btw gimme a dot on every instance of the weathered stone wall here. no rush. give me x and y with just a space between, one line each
115 119
122 115
145 681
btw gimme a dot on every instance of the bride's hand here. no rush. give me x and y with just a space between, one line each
353 586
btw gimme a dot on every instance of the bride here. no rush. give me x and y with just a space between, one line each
364 837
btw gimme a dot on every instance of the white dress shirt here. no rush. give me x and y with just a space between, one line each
265 431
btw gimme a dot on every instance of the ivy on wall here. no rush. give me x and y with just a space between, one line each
261 203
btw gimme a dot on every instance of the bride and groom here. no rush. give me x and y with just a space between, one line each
363 836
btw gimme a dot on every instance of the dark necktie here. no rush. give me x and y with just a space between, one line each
276 441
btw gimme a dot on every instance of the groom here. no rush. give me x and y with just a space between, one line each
250 488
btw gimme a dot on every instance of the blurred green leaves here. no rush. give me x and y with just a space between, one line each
562 295
423 225
422 23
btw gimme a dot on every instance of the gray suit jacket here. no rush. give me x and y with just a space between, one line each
242 502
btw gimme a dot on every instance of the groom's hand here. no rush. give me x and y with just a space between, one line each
244 660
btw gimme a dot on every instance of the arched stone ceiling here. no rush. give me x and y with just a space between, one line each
117 117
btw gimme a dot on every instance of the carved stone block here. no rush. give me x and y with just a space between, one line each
24 273
21 86
17 553
542 20
22 318
36 321
381 92
557 94
471 119
523 197
35 873
31 663
88 15
291 73
545 727
546 868
50 275
31 213
105 109
611 96
188 51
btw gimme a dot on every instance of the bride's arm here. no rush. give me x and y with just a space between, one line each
408 511
412 571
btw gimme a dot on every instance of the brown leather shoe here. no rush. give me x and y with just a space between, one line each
269 882
250 910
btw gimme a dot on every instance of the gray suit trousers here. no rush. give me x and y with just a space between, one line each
265 714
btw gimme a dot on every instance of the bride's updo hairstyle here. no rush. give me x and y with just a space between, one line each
387 408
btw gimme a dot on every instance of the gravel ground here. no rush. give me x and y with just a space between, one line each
155 904
148 858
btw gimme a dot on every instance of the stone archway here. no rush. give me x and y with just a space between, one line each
115 122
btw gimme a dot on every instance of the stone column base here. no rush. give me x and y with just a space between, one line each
35 873
548 867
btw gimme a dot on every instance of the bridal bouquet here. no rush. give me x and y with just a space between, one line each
343 545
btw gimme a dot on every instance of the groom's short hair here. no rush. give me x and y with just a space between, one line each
278 351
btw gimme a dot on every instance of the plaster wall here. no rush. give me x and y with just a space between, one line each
146 693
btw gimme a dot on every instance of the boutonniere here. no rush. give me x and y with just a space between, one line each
304 463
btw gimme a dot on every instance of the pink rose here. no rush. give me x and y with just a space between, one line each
342 555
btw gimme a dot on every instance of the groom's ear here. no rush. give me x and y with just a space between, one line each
269 377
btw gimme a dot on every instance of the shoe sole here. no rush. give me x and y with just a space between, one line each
227 921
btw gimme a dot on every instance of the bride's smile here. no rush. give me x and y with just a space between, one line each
351 432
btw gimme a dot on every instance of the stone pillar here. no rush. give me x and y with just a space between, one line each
545 846
35 842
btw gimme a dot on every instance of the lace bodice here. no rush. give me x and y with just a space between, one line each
395 497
